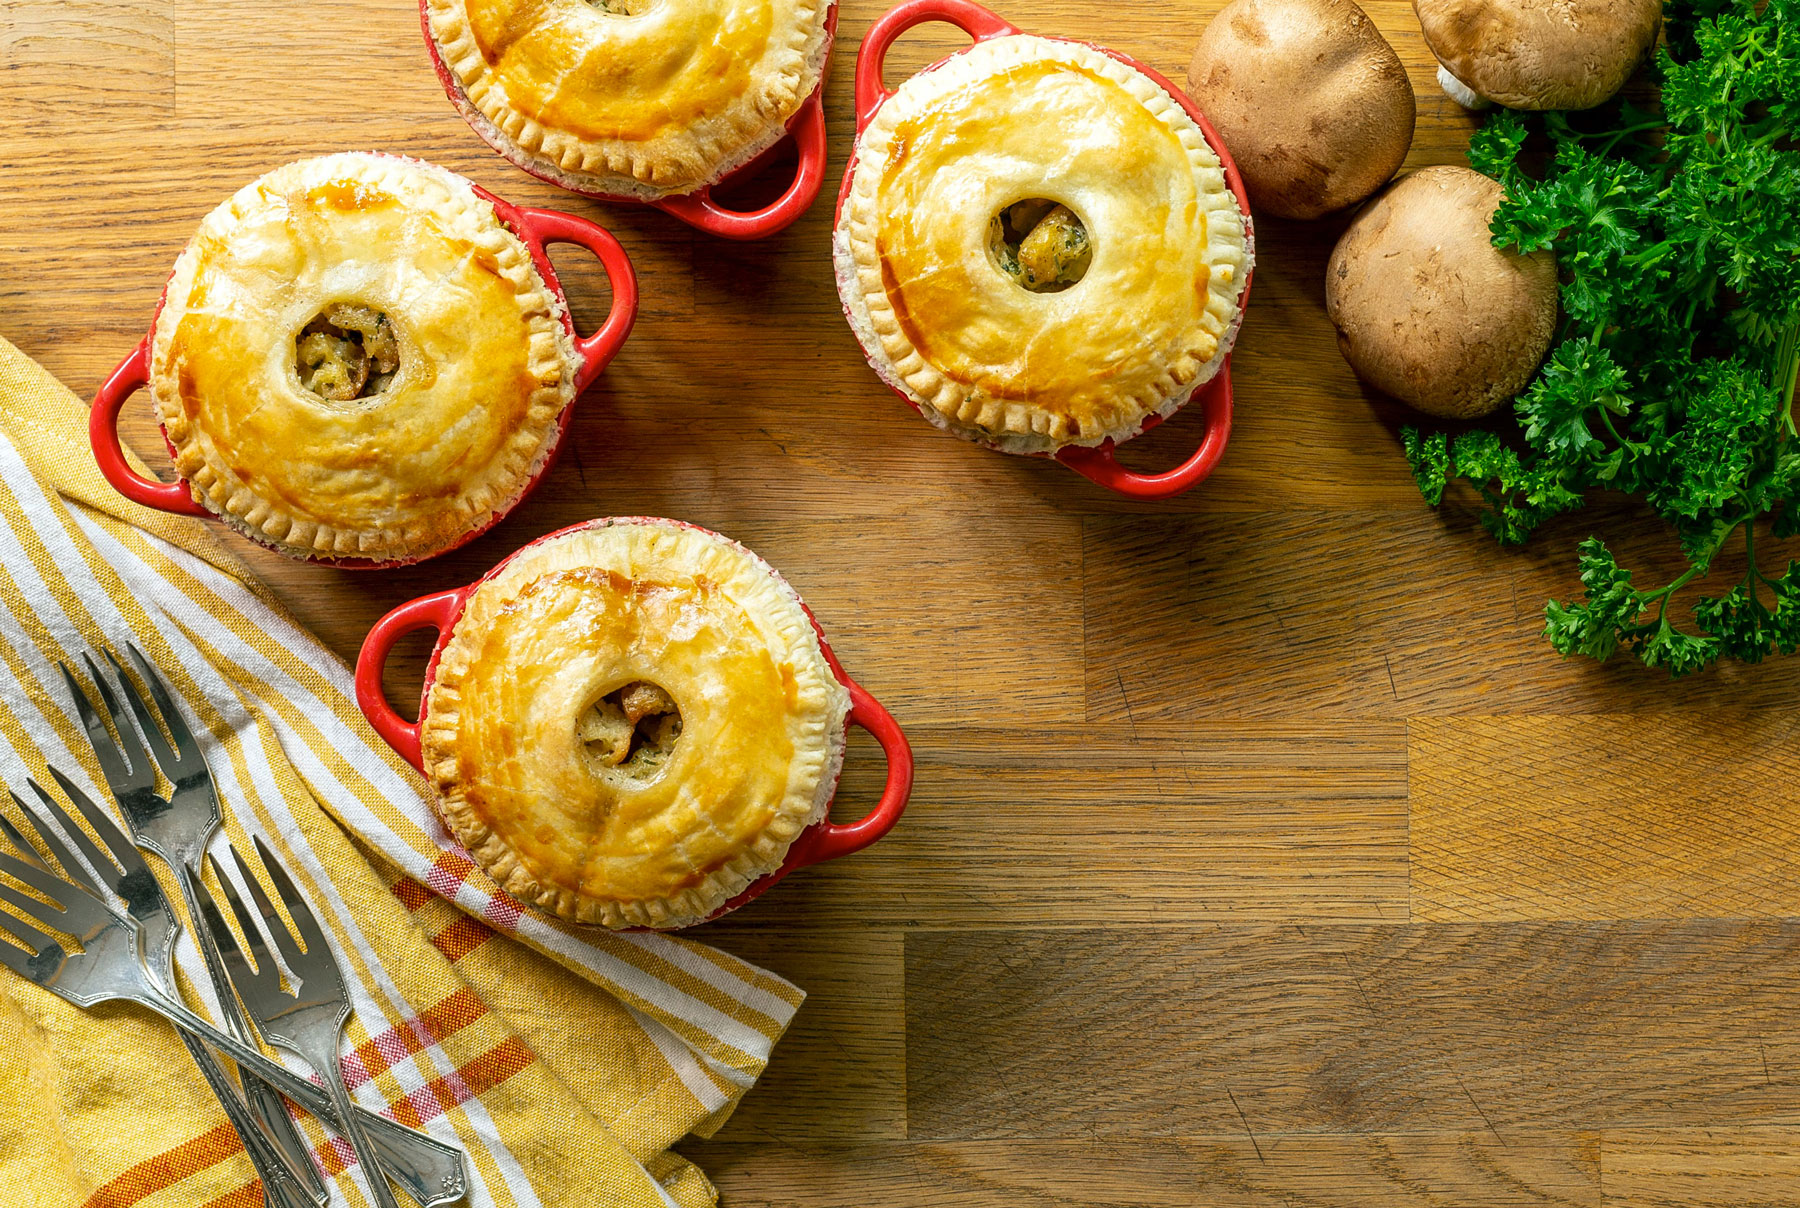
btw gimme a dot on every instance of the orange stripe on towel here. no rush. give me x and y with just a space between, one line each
411 894
474 1079
250 1195
168 1168
462 937
433 1026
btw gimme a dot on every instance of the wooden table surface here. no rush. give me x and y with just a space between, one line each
1262 852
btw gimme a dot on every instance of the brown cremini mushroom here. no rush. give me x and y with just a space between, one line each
1427 309
1309 98
1537 54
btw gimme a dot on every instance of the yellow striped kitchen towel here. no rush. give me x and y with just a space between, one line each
564 1062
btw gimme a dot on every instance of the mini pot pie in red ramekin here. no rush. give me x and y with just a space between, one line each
633 723
1041 246
652 101
363 359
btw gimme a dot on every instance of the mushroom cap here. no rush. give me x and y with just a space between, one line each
1427 309
1541 54
1311 100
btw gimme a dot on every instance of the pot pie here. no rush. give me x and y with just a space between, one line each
355 358
631 98
1037 247
631 722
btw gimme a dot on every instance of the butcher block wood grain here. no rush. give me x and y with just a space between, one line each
1262 853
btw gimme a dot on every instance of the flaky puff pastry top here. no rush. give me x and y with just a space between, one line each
639 98
579 617
486 366
1018 118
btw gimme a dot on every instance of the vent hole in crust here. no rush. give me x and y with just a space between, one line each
631 731
347 352
623 8
1041 245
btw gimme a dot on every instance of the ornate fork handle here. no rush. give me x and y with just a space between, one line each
271 1164
427 1169
264 1103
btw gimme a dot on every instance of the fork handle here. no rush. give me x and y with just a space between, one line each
353 1130
430 1171
282 1185
264 1101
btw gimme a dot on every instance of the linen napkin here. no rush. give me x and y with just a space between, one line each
565 1062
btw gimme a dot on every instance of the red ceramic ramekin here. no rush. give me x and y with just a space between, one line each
537 229
697 209
1214 397
823 840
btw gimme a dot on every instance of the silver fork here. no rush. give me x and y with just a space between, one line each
143 898
310 1021
109 967
178 829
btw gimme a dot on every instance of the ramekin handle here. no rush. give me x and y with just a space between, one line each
1101 465
131 376
437 612
831 840
701 212
596 351
974 20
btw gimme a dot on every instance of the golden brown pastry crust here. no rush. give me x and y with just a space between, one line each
577 617
486 363
647 105
1017 118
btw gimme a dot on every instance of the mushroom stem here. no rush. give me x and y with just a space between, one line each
1460 92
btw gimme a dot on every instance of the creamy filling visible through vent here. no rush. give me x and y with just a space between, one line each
632 729
348 352
1040 244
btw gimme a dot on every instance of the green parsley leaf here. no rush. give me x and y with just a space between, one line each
1677 235
1430 460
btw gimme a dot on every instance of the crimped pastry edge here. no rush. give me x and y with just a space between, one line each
855 309
935 397
614 168
264 521
439 737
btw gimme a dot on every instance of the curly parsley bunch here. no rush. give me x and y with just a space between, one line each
1678 236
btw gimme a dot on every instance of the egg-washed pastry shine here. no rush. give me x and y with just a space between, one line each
639 98
949 323
355 358
742 726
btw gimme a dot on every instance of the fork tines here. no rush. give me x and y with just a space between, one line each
96 862
316 957
119 868
71 909
119 760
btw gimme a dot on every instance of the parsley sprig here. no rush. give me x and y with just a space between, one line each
1677 233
